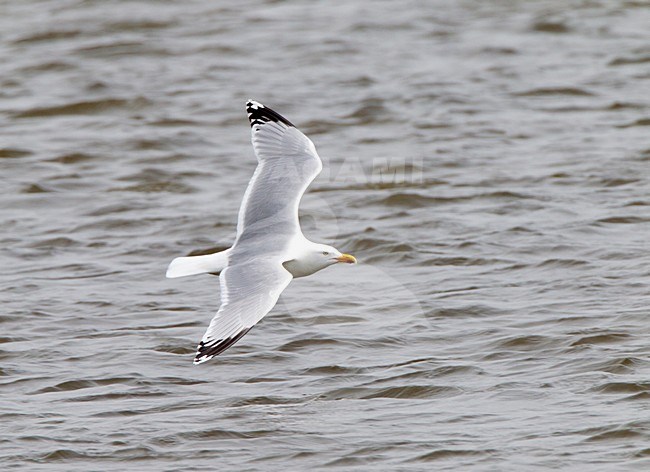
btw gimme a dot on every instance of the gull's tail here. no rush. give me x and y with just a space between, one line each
192 265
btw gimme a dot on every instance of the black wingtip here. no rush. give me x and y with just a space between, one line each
258 114
207 351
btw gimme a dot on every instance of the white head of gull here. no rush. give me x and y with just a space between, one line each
269 248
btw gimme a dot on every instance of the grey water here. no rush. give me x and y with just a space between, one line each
487 162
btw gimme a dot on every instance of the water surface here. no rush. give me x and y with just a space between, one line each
487 162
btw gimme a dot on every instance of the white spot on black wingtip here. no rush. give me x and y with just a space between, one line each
207 350
259 114
201 359
253 104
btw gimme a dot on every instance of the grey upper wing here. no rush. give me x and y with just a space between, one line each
248 292
287 164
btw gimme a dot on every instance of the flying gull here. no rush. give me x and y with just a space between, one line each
269 248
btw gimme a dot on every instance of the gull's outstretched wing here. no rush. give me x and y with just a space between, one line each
287 164
248 292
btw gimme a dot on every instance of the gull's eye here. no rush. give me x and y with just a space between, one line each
325 253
